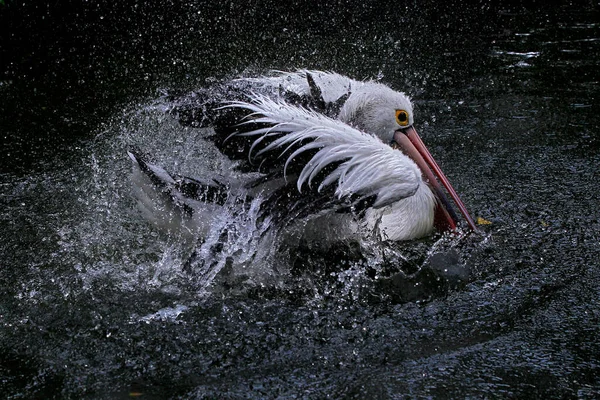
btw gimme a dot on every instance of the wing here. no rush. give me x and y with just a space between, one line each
323 92
327 151
156 189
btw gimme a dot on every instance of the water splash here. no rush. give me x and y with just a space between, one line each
164 314
110 244
236 237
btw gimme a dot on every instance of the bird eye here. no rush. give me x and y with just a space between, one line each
402 117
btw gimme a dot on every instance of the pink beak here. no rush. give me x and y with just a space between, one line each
412 145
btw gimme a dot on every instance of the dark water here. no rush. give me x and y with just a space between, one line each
94 303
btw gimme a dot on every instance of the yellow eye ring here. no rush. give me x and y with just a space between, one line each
402 117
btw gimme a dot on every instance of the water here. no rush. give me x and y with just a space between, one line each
95 302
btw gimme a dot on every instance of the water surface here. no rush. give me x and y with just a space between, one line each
95 303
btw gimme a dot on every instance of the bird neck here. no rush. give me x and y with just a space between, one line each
407 219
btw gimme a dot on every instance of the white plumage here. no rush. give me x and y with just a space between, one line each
349 141
370 105
369 166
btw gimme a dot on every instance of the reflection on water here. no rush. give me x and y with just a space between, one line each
93 297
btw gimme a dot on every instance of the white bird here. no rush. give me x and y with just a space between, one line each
321 143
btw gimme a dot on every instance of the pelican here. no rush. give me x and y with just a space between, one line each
331 157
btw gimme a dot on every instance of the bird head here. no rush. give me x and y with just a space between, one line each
377 109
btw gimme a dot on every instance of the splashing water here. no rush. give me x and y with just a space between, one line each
110 243
234 237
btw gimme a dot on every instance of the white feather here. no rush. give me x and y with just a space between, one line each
369 166
370 106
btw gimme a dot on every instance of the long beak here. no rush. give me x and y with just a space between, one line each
412 145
